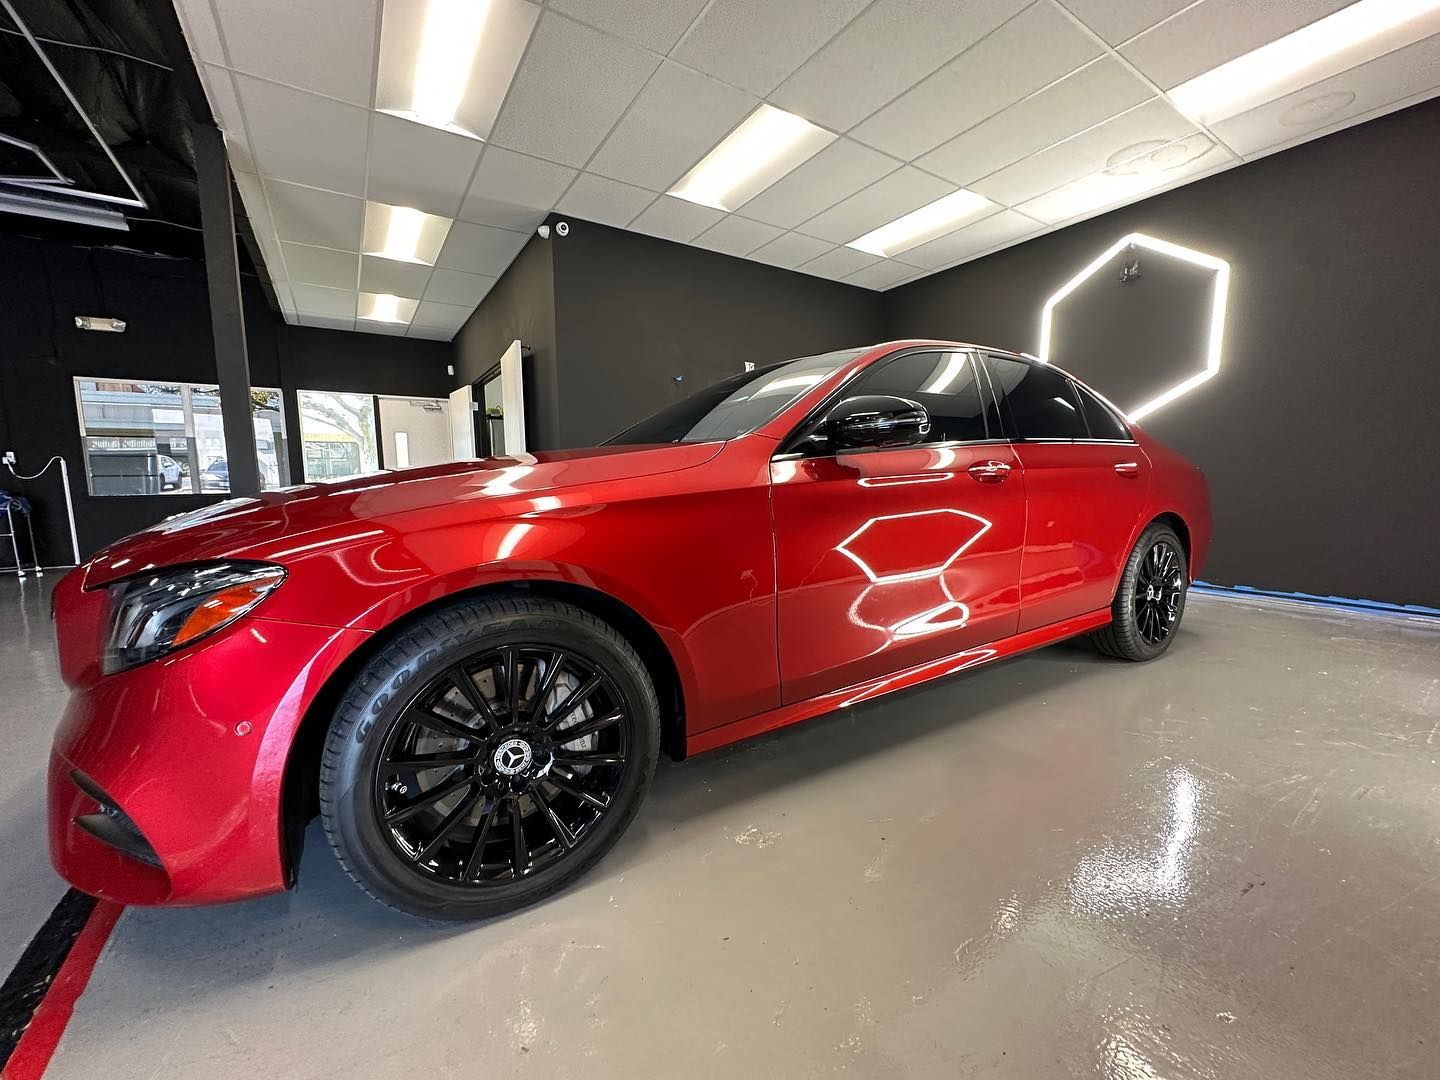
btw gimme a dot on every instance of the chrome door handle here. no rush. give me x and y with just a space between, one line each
989 472
1128 468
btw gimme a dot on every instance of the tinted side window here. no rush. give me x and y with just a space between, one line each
944 382
1041 401
1103 423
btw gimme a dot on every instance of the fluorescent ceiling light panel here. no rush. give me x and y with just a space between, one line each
1215 331
769 143
919 226
1351 36
448 63
387 308
403 233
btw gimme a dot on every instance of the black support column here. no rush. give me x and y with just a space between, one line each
227 315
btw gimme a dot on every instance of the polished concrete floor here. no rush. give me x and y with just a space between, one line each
1223 864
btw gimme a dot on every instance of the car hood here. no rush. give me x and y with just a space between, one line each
276 523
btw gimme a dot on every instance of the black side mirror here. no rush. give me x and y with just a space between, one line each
875 420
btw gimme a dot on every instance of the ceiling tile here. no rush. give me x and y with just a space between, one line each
480 249
327 46
655 24
225 104
885 200
441 316
838 171
757 43
309 216
790 250
678 118
1209 33
317 300
320 266
1035 48
1118 20
609 202
1092 94
513 190
1390 78
1149 125
839 261
372 326
997 229
197 20
457 287
328 322
1089 195
884 52
304 138
419 166
884 274
379 275
675 219
734 235
556 112
430 333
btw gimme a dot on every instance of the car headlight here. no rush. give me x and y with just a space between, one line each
159 612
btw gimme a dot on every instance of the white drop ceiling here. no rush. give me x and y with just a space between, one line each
1054 110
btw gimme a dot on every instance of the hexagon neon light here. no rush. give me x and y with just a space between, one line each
1221 289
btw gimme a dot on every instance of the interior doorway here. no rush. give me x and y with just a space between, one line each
414 432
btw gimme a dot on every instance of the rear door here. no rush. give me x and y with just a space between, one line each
1085 485
888 558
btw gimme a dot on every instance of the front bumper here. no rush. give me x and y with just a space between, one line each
191 748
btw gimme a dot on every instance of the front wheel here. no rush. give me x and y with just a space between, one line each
1150 600
488 756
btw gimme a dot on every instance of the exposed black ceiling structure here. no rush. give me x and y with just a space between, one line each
97 102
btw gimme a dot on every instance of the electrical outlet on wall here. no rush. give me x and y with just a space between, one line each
9 458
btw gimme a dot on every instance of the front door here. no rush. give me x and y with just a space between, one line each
893 557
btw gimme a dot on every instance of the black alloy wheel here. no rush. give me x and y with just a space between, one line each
502 764
1158 587
487 755
1150 599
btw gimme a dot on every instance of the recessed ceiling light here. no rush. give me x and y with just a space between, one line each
918 226
448 63
386 308
769 143
1328 46
403 233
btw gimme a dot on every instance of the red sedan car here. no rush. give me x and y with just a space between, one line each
470 670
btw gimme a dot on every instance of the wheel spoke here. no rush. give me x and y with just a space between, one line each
452 819
574 701
521 852
589 759
562 834
476 700
429 798
512 683
587 727
428 761
547 684
571 786
442 725
477 846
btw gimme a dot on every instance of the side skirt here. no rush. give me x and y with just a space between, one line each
900 680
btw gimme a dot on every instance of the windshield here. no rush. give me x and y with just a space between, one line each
735 405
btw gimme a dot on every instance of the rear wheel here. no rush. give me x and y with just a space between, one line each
1150 601
487 757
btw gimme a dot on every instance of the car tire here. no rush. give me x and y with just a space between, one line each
1150 599
556 822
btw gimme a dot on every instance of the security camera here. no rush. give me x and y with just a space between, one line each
544 232
562 228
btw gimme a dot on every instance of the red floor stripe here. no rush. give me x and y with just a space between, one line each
37 1046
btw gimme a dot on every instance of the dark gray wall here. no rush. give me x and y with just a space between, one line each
45 283
633 312
521 305
1320 435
